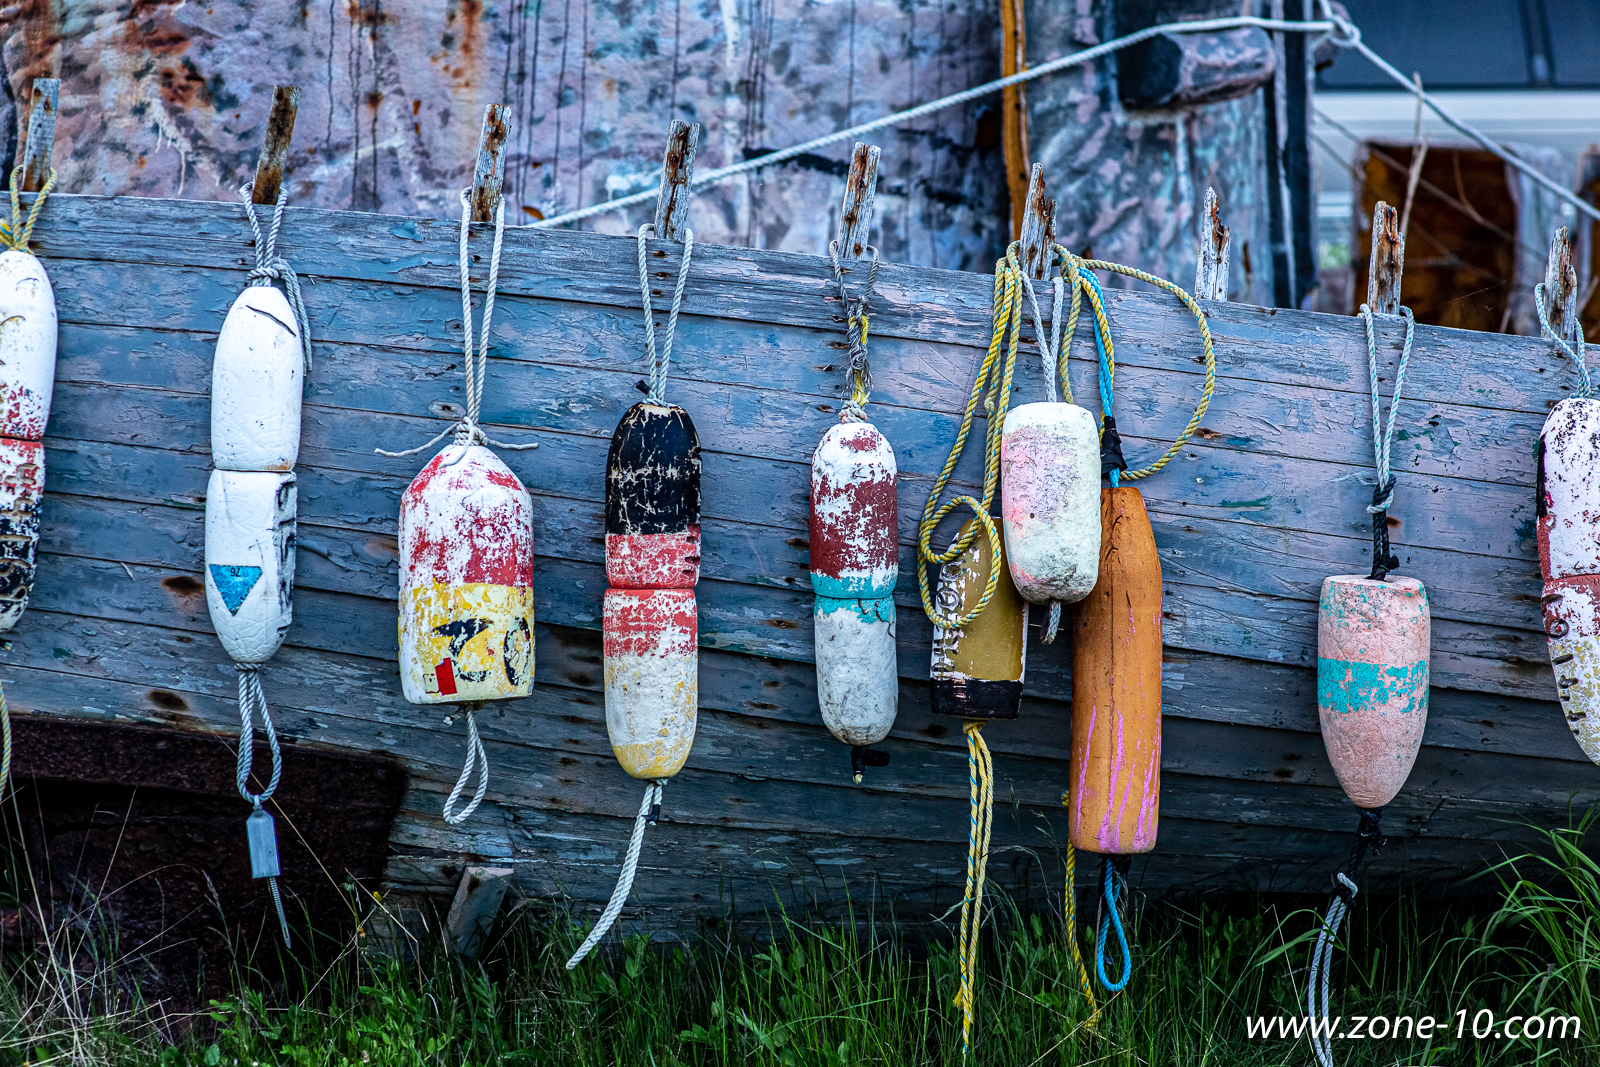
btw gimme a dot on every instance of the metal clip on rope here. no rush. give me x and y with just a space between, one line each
260 829
1383 561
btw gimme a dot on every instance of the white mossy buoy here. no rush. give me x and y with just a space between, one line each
1050 500
466 580
1568 513
858 677
27 345
21 490
652 672
256 382
250 525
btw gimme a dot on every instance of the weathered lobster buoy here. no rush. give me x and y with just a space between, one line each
978 668
256 382
1114 792
855 560
250 528
466 580
1049 485
1568 512
27 379
650 625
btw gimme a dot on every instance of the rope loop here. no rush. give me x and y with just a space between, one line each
477 757
271 267
1541 301
980 781
16 234
1369 835
251 701
1383 441
1111 915
858 378
649 811
658 366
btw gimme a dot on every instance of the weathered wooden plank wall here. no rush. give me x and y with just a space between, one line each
1265 501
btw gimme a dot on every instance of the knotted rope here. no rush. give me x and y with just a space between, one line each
1382 441
476 756
252 700
1111 915
649 812
466 429
271 267
658 366
858 376
1069 916
15 234
980 782
1541 302
1369 834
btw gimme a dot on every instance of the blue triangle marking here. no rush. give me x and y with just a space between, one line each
234 583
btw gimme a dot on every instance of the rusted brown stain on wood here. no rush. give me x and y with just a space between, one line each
1038 234
855 210
677 171
45 98
1211 267
275 145
1388 261
1561 287
490 172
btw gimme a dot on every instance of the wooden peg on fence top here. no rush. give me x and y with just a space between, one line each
491 169
275 145
1038 233
677 171
855 210
1216 248
1561 288
1388 261
46 97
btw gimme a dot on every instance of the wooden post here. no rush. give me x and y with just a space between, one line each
477 902
677 171
491 168
1038 232
855 210
1216 248
275 145
41 134
1388 261
1561 288
1014 111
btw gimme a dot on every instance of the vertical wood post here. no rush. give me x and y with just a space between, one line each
491 169
855 210
1014 110
1038 232
46 98
1216 248
1561 288
275 145
477 902
677 171
1388 261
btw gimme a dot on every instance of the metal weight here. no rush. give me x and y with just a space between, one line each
263 835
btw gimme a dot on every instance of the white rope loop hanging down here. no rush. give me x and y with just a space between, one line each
1541 301
466 429
253 700
477 757
858 375
1321 964
271 267
648 808
658 366
1383 441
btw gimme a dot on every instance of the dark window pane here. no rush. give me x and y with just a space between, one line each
1575 40
1451 43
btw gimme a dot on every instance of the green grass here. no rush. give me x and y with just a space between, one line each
798 993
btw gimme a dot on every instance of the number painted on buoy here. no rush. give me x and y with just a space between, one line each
256 382
466 581
650 625
1568 511
1372 681
1050 500
21 490
978 668
27 345
1114 792
855 559
250 535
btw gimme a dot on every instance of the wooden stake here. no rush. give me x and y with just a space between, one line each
1387 263
41 134
677 171
477 902
491 169
275 145
855 210
1561 288
1216 247
1038 232
1014 110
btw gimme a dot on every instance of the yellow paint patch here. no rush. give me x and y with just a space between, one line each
476 639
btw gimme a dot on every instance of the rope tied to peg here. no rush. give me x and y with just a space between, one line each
253 701
1369 835
657 382
649 812
1541 301
858 376
466 430
1383 560
271 267
16 233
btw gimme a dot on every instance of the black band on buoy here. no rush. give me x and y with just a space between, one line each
1110 448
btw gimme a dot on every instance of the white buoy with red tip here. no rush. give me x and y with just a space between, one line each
1050 500
1568 511
27 345
256 382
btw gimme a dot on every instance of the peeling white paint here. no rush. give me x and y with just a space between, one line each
256 381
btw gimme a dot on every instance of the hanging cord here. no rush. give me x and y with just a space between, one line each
1070 920
251 701
858 377
993 383
1111 915
271 267
5 741
15 235
658 367
466 429
476 756
1541 301
1054 363
649 812
1383 493
980 781
1369 834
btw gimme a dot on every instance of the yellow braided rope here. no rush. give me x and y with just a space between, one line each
994 377
1070 917
980 780
15 234
859 393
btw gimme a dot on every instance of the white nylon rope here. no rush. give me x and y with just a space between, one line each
658 366
1054 362
252 699
1321 963
630 864
476 756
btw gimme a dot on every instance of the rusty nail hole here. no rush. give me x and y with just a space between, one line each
166 698
183 585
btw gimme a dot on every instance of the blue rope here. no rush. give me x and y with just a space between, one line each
1114 918
1105 364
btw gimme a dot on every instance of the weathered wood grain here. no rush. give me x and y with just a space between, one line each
44 103
275 145
488 173
855 207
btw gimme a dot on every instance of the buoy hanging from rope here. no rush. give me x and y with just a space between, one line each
854 541
650 623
